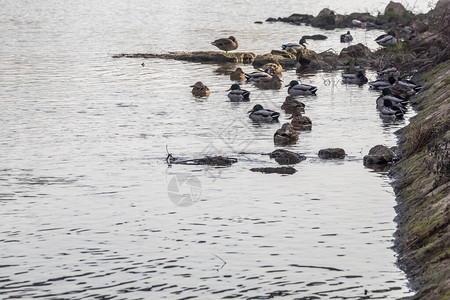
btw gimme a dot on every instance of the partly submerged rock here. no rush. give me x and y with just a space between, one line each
330 153
286 157
325 19
283 58
395 7
354 51
197 56
207 160
278 170
316 37
379 154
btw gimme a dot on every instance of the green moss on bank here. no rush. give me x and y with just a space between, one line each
423 188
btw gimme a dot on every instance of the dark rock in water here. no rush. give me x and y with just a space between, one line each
395 7
297 19
379 155
354 51
316 37
278 170
197 56
258 22
330 153
282 58
271 20
207 160
286 157
325 19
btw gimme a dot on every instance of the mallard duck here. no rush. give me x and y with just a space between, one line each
347 37
226 44
269 83
389 110
200 90
237 94
286 135
290 104
395 101
412 85
238 75
297 47
358 78
257 76
388 39
379 84
296 89
404 88
275 68
300 122
386 73
259 114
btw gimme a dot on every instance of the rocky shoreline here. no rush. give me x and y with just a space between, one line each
421 174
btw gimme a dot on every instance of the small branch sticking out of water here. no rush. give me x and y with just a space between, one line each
224 262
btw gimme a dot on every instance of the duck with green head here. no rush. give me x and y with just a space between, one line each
297 89
260 114
294 46
237 94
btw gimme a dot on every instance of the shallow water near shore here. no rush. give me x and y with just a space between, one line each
89 206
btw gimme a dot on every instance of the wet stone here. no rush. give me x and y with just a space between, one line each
278 170
286 157
331 153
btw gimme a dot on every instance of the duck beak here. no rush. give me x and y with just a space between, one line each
228 90
191 86
250 111
287 85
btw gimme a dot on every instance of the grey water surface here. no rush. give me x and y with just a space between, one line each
89 208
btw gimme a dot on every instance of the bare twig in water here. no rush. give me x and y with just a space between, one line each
224 262
169 158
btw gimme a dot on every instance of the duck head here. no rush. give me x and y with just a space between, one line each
256 108
198 85
234 87
387 103
292 83
232 38
386 91
303 41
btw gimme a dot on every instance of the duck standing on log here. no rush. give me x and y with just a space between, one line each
226 44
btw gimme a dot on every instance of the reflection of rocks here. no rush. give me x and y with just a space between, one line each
286 157
331 153
197 56
278 170
379 155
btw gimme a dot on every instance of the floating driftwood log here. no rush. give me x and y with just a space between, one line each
197 56
207 160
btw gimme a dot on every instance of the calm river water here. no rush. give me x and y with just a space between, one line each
87 200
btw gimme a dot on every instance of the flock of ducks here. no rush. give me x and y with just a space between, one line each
395 91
